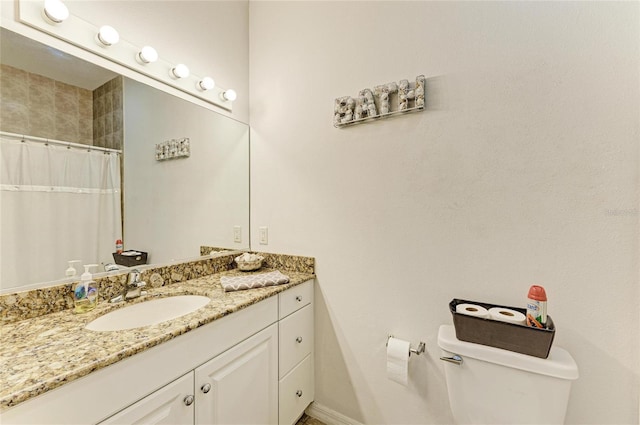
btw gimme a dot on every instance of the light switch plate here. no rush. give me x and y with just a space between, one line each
237 234
264 235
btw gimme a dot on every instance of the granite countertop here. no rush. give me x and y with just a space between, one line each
45 352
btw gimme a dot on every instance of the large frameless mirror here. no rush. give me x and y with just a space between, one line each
107 181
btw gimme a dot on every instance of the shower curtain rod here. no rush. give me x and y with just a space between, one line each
58 142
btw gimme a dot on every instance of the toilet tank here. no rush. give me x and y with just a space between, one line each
495 386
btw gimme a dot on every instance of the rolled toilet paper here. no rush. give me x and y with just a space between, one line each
507 315
398 360
473 310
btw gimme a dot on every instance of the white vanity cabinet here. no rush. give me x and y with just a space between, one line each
237 387
254 366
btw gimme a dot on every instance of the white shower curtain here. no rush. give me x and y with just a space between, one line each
57 204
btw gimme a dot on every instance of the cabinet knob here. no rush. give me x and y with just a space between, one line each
299 393
205 388
188 400
298 298
299 340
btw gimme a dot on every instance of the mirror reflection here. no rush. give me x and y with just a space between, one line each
70 201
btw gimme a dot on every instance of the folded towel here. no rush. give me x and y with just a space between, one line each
237 283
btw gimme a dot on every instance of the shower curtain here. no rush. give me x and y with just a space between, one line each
58 203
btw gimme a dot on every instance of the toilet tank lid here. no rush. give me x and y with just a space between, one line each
559 364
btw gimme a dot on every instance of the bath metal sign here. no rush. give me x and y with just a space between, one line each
174 148
383 101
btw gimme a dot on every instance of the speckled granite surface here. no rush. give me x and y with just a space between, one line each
36 353
34 303
276 261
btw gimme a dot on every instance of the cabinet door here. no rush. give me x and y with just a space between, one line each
240 386
170 405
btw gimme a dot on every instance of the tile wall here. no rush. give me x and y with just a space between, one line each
39 106
108 114
34 105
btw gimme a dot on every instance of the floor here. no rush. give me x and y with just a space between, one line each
308 420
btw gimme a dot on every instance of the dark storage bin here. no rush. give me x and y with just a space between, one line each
130 260
508 336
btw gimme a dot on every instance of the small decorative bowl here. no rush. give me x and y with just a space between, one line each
248 262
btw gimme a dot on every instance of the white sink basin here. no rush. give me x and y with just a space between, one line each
148 313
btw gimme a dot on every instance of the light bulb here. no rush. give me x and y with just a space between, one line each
206 83
229 95
108 36
179 71
147 55
55 11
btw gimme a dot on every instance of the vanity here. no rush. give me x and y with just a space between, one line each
245 357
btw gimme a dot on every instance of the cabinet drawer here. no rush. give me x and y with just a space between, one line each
295 338
295 298
296 392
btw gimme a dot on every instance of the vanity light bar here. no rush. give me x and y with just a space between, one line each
53 17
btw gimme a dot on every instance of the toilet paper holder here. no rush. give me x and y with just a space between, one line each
418 351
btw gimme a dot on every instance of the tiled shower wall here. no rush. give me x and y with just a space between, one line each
39 106
107 114
34 105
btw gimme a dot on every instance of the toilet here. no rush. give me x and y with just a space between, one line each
488 385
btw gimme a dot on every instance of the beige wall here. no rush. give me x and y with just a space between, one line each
523 170
39 106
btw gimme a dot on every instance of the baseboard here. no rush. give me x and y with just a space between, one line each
329 416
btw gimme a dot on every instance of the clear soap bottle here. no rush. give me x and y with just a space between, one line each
85 294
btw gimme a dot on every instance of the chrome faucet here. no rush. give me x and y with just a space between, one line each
133 289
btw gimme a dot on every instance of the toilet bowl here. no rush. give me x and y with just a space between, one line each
488 385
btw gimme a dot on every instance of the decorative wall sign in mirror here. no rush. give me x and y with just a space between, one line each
169 208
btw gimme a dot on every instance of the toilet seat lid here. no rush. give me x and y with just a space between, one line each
559 364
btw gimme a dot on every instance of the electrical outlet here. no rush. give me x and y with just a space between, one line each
237 234
264 235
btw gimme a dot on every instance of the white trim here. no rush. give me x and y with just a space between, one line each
329 416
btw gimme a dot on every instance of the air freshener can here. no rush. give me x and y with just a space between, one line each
119 246
537 307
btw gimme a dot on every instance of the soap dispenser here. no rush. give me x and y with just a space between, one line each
71 271
85 294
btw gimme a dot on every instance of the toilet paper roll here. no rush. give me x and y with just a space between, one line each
398 360
507 315
473 310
